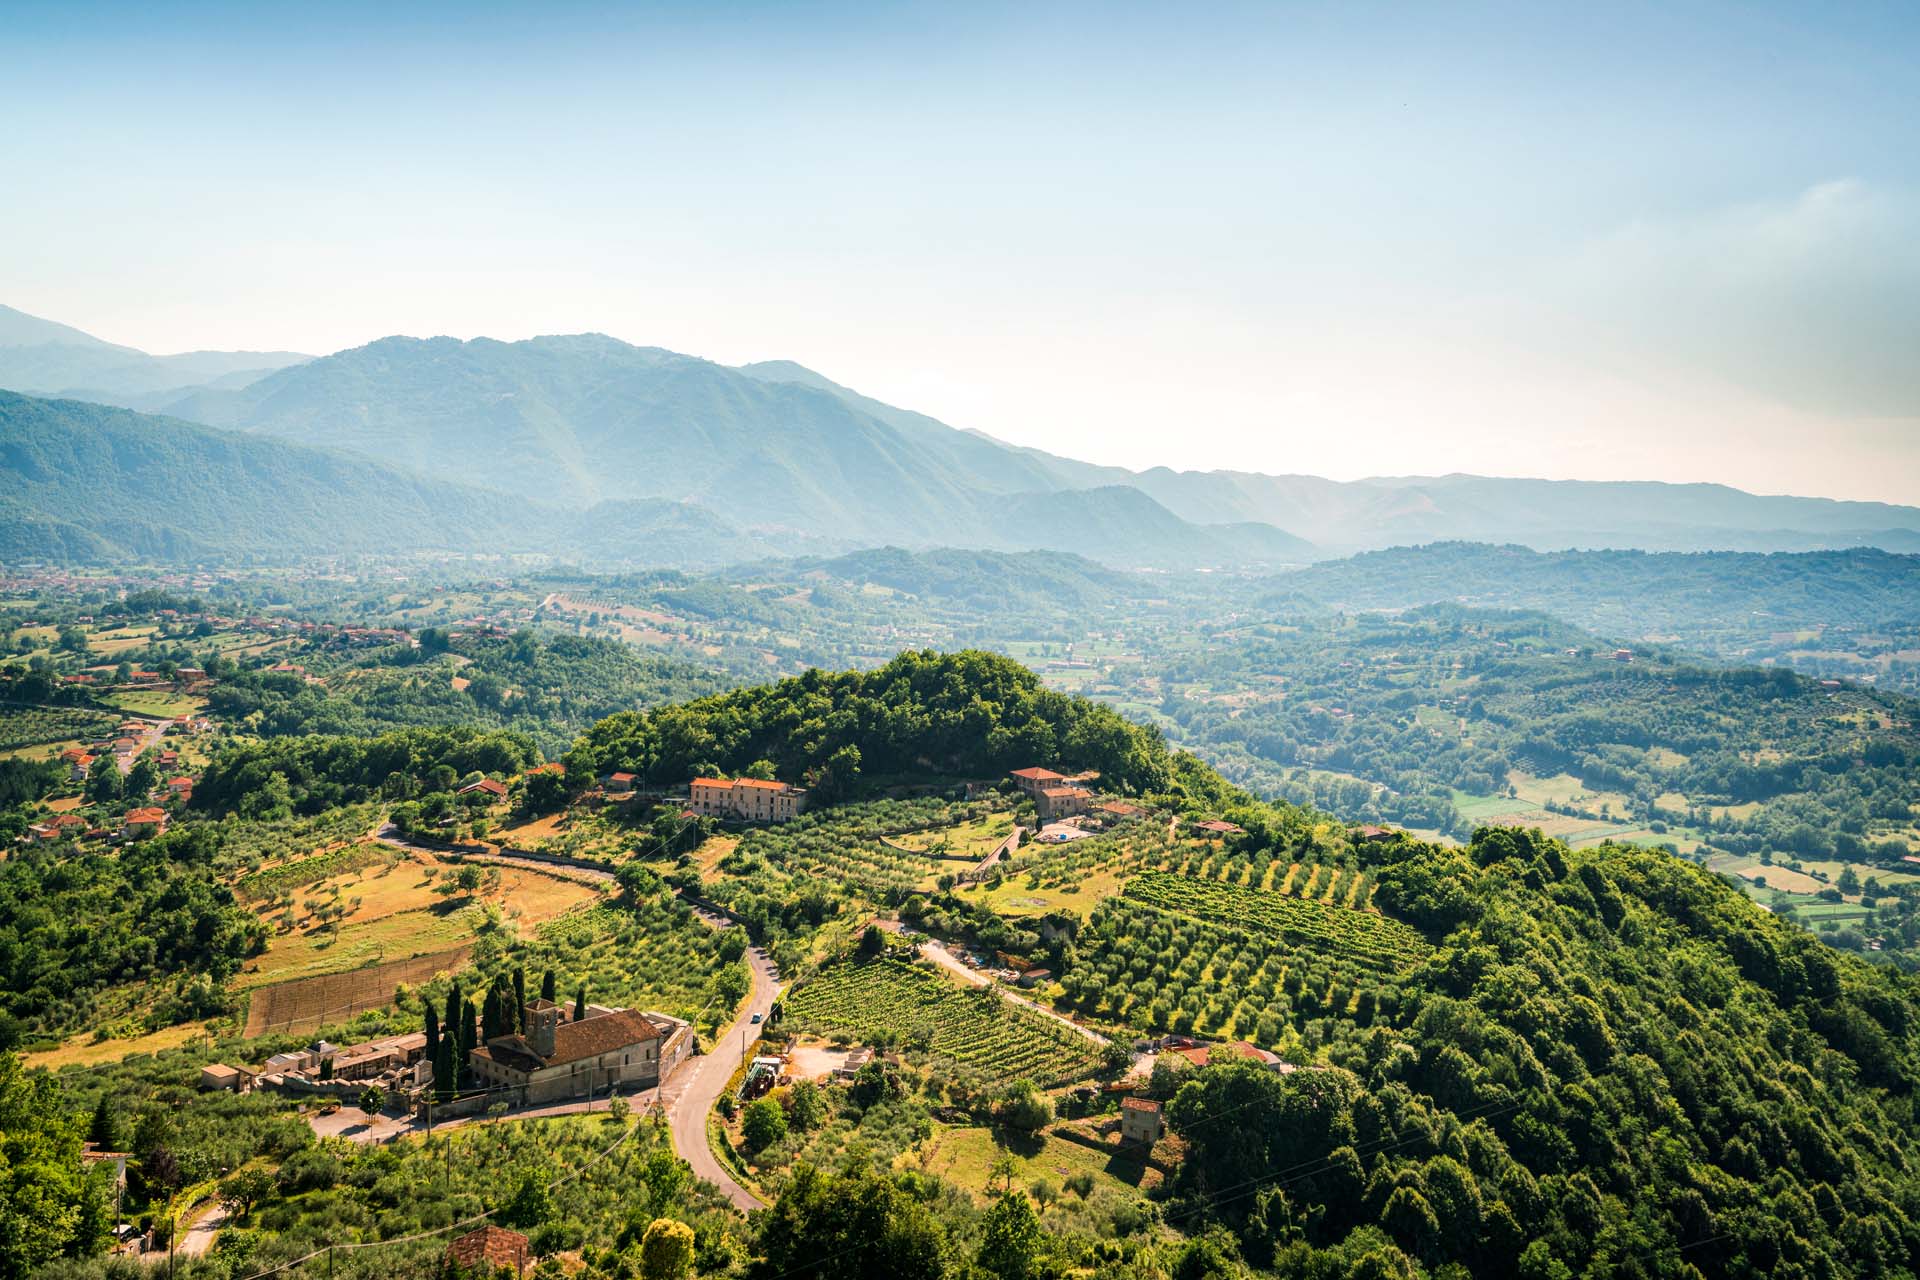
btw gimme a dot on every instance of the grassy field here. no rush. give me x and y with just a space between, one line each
85 1051
967 1158
154 702
392 912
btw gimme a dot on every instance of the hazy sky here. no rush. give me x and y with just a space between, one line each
1670 241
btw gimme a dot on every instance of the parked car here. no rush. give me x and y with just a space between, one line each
756 1019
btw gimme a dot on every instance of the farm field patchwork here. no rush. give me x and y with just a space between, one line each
920 1009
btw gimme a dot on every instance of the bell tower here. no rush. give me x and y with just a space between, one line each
543 1019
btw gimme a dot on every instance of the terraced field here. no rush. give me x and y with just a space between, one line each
919 1009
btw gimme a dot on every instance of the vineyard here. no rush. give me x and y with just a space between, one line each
895 1002
32 726
1383 943
1161 970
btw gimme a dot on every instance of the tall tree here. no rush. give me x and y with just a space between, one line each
519 999
548 987
580 1004
433 1032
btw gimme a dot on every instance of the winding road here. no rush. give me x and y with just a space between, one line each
689 1096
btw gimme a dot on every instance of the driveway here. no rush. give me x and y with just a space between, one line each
938 953
689 1096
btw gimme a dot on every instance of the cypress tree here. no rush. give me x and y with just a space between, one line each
519 999
104 1131
450 1024
547 987
443 1068
469 1041
580 1005
490 1015
433 1033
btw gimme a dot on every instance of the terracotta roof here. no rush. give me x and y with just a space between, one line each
621 777
760 784
147 815
1064 793
1216 825
1122 808
1038 775
709 782
487 785
572 1041
1131 1103
490 1246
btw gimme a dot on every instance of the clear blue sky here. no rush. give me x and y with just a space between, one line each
1661 241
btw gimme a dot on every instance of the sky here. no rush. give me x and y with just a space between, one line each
1648 241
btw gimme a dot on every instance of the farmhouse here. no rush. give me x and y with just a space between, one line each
1034 780
1055 803
1140 1121
1206 1053
563 1058
1216 827
486 786
751 799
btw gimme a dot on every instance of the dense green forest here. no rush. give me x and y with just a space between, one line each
154 914
969 714
306 775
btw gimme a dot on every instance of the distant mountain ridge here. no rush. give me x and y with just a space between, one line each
788 458
45 357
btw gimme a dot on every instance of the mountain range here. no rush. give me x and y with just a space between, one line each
644 455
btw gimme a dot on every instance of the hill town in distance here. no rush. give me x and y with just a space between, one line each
1237 900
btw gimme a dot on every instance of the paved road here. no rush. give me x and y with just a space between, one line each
147 738
690 1095
938 953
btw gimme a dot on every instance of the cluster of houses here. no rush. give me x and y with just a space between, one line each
557 1059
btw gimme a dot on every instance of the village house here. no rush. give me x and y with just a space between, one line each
142 823
61 826
1140 1121
218 1075
180 788
488 1249
619 783
749 799
1217 827
560 1057
486 786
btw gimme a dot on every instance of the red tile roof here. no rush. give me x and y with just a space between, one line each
146 815
1131 1103
1038 775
